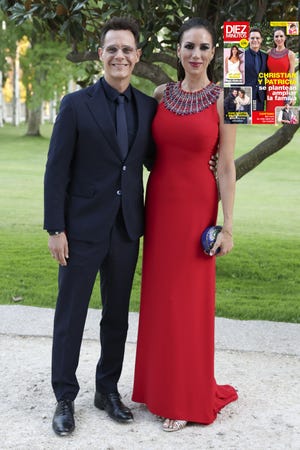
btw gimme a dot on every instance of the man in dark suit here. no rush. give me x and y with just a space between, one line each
94 216
256 63
230 106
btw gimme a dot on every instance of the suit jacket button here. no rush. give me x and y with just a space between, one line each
119 192
124 168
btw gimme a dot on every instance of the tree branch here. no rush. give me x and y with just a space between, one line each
77 57
142 69
151 72
263 150
163 58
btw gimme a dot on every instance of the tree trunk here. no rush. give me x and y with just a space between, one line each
16 92
34 122
261 11
263 150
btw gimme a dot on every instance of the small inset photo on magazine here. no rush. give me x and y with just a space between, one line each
234 65
287 115
237 104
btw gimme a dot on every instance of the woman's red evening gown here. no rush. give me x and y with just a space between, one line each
174 373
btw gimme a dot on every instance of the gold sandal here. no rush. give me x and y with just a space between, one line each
173 425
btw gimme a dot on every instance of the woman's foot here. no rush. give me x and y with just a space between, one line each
174 425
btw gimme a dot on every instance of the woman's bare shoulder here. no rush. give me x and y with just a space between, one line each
159 92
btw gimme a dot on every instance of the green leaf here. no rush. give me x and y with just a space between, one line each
79 6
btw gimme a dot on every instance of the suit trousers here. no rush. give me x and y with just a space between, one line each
115 257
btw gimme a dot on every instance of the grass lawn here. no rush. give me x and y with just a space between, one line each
258 280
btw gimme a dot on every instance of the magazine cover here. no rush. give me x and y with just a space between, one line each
260 82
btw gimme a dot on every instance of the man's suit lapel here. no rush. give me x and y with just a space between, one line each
97 104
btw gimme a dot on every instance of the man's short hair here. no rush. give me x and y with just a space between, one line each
121 23
255 29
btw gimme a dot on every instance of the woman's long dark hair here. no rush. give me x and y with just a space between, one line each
195 22
231 52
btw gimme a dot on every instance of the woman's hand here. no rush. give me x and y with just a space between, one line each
224 241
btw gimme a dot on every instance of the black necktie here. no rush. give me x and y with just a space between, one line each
257 62
122 133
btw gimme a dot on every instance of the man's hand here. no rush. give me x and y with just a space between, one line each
59 249
213 164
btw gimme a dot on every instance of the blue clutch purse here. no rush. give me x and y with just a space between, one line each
208 238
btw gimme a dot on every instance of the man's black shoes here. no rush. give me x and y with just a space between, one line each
112 404
63 422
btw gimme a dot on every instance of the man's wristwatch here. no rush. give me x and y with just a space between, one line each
54 233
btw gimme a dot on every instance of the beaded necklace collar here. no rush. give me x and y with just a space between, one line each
183 103
279 54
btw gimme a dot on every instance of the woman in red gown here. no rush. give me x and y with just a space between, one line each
174 372
281 64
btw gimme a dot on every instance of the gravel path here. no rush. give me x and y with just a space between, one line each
261 359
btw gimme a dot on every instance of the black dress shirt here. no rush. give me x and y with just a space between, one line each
255 55
130 108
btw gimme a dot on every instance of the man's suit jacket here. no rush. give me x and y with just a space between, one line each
86 180
251 78
229 104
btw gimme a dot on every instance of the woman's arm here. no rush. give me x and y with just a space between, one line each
292 60
227 179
